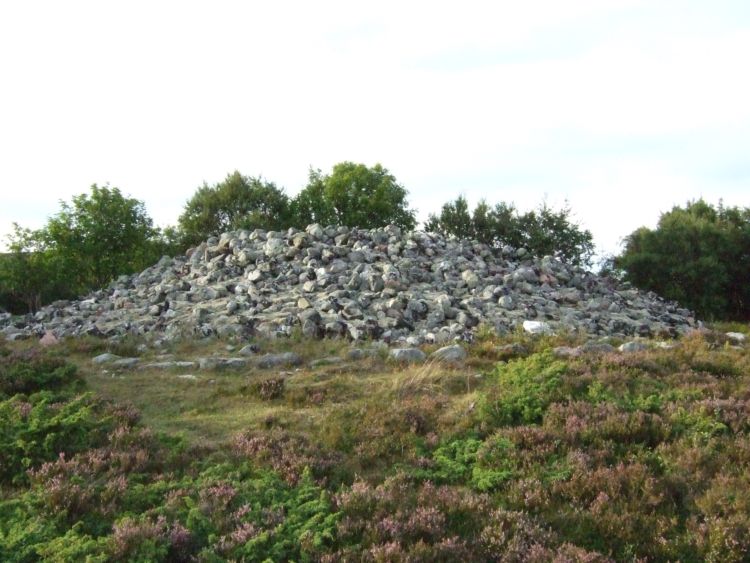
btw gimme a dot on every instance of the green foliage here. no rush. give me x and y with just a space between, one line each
31 274
543 231
90 485
354 195
397 520
595 458
100 236
239 202
87 244
465 461
525 388
31 370
38 429
698 255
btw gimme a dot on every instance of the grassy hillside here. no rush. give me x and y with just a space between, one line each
515 454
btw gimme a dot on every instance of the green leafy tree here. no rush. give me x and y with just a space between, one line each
541 231
239 202
354 195
88 243
548 231
100 236
455 219
30 274
698 255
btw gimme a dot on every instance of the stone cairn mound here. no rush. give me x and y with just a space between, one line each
381 284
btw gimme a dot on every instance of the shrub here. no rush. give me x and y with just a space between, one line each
28 371
39 429
287 454
525 388
270 388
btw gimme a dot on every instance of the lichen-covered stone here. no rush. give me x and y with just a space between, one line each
404 289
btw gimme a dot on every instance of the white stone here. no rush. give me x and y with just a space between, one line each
537 327
633 346
737 337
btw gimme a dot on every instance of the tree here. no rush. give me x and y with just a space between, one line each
455 219
542 231
546 231
698 255
30 273
354 195
88 243
239 202
101 235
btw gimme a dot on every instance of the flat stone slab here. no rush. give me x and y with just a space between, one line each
329 361
454 353
170 364
105 358
125 363
222 363
408 355
284 359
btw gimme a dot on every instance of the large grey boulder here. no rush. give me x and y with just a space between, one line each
105 358
285 359
454 353
408 355
125 363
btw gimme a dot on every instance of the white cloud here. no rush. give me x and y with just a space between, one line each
505 100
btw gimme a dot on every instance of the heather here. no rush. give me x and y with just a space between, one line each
517 453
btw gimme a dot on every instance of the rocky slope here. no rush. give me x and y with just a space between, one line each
339 282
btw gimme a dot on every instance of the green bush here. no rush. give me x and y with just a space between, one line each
32 370
524 389
697 255
39 428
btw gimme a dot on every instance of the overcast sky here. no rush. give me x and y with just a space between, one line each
623 108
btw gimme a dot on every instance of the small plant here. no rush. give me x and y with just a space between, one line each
28 371
271 388
524 389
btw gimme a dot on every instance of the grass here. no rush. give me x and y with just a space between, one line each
216 405
639 456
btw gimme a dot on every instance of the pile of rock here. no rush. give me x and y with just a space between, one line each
339 282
